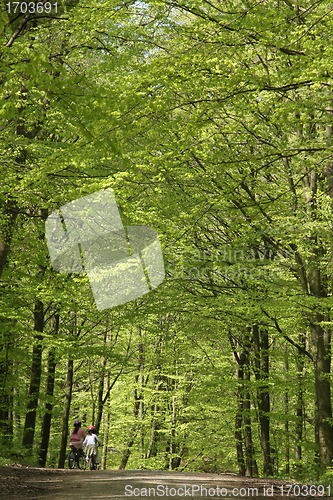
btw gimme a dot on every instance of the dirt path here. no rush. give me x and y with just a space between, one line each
50 484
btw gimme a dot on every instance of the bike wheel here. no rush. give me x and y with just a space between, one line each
71 460
81 461
92 463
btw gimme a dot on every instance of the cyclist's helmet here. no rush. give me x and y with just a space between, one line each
91 428
77 422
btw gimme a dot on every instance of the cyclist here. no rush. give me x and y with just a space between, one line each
90 443
77 436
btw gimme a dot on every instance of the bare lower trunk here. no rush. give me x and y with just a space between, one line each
137 399
6 399
36 371
46 424
286 425
251 464
100 402
129 445
150 450
65 418
238 421
299 408
260 339
321 338
106 429
323 395
172 447
8 218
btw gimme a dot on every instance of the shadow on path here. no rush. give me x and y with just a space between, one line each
51 484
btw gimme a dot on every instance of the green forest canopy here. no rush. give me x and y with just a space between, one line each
212 123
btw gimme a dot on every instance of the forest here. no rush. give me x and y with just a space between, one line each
212 123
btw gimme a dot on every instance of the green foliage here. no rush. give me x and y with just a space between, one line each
210 125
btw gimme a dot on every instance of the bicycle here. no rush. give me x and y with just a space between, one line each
76 456
92 462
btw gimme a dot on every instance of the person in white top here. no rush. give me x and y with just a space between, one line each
90 443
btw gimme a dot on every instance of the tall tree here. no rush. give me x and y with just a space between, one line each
35 378
46 424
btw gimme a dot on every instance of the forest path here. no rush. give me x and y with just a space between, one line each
126 484
51 484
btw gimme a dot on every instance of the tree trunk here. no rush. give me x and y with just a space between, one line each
36 370
8 219
17 414
260 339
46 424
151 452
321 338
137 398
65 418
323 394
286 425
6 400
106 429
299 407
172 433
129 445
100 402
239 417
141 401
251 464
10 212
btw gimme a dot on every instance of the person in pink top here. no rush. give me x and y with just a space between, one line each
77 436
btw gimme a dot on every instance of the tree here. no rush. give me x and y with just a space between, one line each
258 127
213 125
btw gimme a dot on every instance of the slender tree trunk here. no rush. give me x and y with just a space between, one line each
264 406
178 439
137 398
10 417
321 338
316 429
46 424
8 219
260 339
17 414
106 428
239 418
150 451
141 399
172 433
6 400
251 464
323 430
10 210
299 407
286 425
65 418
36 370
129 445
101 389
323 394
142 437
100 400
6 390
